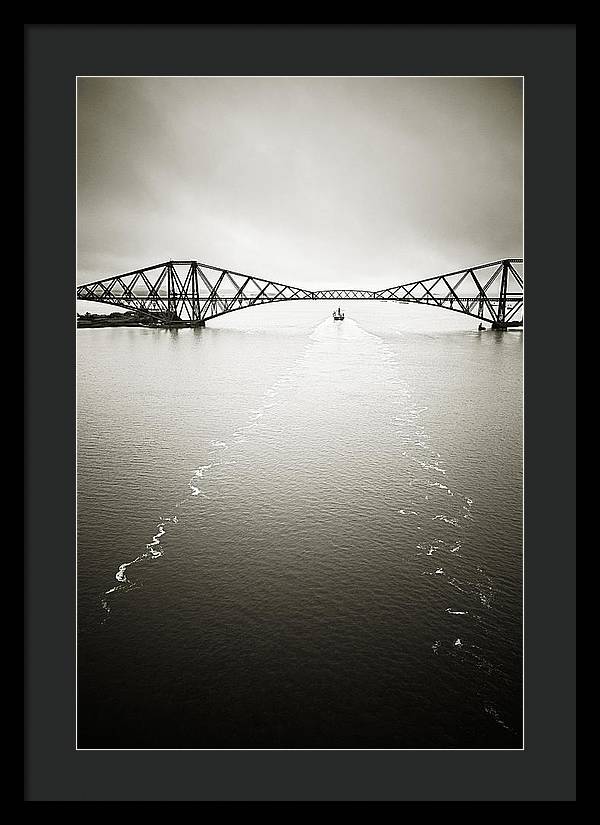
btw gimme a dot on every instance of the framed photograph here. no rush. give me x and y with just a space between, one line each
296 415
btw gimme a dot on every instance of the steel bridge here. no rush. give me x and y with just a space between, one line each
188 293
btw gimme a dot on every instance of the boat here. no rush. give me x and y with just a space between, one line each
338 315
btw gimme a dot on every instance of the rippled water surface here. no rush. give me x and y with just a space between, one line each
297 533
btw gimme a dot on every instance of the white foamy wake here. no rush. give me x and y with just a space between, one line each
446 520
153 551
496 717
430 548
153 548
457 511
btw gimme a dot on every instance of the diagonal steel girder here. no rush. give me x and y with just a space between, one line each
481 291
190 293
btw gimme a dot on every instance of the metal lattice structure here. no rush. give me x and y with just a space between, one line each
187 293
492 292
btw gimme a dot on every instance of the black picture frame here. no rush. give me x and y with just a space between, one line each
54 56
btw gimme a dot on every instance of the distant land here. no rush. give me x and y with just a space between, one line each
131 318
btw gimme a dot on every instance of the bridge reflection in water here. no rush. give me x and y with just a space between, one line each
188 293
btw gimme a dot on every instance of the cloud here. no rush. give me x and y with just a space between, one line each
312 181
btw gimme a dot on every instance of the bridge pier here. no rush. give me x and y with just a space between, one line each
506 324
184 324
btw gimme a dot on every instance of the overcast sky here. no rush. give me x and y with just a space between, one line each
315 182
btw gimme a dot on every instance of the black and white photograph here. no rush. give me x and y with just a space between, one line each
300 338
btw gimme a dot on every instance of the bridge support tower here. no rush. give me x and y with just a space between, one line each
500 323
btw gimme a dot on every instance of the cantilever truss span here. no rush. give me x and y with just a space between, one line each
187 293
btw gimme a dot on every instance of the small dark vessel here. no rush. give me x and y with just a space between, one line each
480 327
338 315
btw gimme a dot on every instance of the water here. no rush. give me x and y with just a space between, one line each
296 533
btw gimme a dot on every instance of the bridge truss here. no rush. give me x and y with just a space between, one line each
187 293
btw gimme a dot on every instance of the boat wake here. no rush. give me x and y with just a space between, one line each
197 486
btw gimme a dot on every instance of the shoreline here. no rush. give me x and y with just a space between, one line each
114 319
131 319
